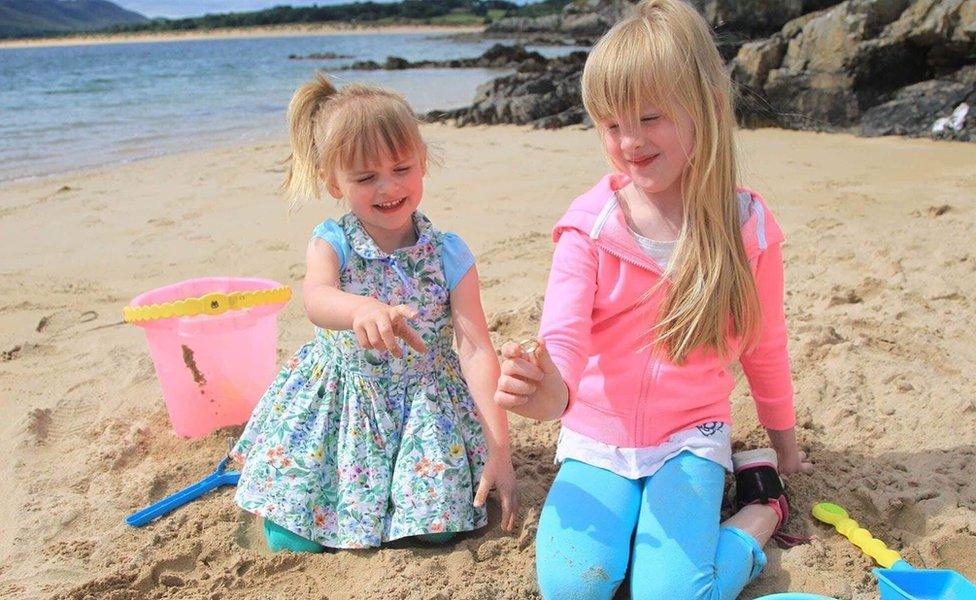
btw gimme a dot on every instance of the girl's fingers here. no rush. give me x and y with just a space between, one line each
516 386
374 340
522 369
400 316
511 501
509 401
512 350
385 329
506 512
361 337
411 337
482 494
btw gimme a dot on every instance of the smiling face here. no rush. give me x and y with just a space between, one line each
383 194
653 149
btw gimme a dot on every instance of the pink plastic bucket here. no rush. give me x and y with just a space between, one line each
212 368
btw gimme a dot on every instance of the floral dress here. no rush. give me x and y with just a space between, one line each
351 447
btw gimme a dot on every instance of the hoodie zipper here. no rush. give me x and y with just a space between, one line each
652 368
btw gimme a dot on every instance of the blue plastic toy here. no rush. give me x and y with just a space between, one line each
902 581
795 596
220 477
898 580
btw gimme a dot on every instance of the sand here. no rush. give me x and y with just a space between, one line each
291 30
881 272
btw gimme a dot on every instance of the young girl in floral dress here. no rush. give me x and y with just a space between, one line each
376 430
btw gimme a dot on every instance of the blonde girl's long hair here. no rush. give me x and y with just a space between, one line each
664 54
332 129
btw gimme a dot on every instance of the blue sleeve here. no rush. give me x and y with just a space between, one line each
331 232
456 257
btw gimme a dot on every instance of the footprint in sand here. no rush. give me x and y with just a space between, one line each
64 320
276 247
37 425
296 272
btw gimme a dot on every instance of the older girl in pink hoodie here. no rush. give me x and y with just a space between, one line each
664 274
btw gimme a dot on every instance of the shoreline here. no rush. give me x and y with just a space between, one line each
262 140
290 30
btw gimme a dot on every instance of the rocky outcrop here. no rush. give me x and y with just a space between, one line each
499 56
914 109
874 67
547 98
583 21
749 19
832 68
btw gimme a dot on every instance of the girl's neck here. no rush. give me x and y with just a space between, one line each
655 216
390 240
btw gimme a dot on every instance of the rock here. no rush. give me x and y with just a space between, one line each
588 20
873 66
365 65
395 63
914 108
544 98
319 56
499 56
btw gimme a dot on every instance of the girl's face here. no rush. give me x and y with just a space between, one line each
383 194
653 150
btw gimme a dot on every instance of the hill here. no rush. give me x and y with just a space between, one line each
28 18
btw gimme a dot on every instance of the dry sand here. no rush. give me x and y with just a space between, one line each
881 274
291 30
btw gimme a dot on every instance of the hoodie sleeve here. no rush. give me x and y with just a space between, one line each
767 365
567 315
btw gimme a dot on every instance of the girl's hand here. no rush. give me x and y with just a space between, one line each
797 463
522 373
788 454
500 474
377 325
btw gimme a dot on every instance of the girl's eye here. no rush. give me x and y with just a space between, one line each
403 169
613 127
364 179
649 118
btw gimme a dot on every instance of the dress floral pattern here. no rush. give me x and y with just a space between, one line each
351 447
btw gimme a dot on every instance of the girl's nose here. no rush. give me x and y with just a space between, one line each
629 142
390 187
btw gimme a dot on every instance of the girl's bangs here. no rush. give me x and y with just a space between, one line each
627 70
362 138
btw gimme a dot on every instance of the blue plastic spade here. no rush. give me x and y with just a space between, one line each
904 582
220 477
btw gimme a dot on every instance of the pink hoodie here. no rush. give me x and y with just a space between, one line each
595 329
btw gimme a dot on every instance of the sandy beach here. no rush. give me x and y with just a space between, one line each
881 275
233 32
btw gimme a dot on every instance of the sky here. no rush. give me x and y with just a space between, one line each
194 8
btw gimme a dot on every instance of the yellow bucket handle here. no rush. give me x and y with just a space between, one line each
210 304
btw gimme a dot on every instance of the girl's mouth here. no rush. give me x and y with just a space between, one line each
643 162
389 207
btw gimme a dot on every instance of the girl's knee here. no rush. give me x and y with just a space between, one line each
569 575
436 538
278 538
594 583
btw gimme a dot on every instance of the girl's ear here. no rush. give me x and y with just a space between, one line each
330 185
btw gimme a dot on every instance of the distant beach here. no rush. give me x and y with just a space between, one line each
291 30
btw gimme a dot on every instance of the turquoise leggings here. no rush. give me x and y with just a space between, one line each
278 538
595 525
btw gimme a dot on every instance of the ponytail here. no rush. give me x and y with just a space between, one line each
302 180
